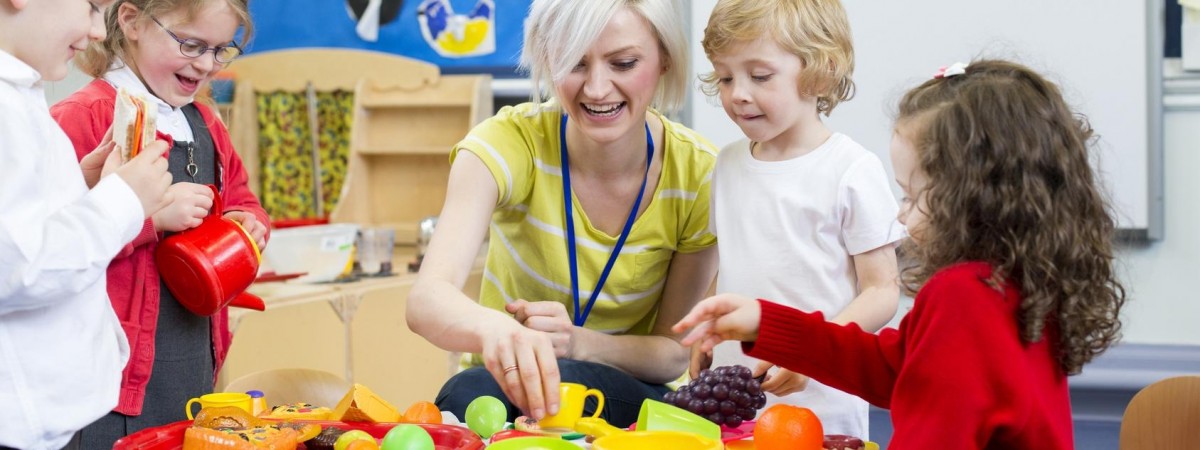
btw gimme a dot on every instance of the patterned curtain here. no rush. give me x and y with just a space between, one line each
285 149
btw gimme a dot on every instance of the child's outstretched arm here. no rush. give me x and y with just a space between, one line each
719 318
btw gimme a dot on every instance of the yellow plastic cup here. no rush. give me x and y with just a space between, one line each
571 397
237 399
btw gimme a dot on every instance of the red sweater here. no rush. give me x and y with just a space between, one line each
955 375
133 281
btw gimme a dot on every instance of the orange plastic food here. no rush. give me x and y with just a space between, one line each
259 438
363 405
363 444
422 412
787 427
226 417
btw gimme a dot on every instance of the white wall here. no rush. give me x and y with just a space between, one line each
1163 306
59 90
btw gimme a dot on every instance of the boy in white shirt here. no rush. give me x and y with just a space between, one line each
61 346
803 215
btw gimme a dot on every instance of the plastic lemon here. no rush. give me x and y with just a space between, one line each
486 415
353 435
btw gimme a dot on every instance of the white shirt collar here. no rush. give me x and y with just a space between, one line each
121 76
18 72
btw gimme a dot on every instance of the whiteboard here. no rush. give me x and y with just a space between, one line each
1104 54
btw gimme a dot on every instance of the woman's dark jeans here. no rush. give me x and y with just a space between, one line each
623 394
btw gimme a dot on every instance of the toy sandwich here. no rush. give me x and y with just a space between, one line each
134 123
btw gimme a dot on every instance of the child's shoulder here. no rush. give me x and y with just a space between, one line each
963 280
96 95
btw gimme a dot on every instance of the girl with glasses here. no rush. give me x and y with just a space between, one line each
166 51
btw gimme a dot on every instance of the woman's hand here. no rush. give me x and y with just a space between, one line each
189 205
549 317
720 318
250 223
782 382
523 363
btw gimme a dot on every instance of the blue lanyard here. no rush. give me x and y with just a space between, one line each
580 318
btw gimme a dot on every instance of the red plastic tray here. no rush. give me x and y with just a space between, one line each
170 436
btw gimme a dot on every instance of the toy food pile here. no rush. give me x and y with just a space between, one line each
231 428
283 427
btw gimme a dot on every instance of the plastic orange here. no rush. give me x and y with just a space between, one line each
363 444
787 427
422 412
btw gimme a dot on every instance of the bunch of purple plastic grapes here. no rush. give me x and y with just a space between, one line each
725 395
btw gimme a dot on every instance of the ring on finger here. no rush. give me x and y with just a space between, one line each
510 369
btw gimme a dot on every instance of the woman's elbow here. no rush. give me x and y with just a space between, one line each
416 309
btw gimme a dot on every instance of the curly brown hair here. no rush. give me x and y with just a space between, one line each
1010 184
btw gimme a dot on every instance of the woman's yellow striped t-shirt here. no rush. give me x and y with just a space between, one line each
527 251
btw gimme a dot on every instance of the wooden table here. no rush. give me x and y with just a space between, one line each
355 329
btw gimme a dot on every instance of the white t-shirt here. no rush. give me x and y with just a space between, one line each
62 348
787 231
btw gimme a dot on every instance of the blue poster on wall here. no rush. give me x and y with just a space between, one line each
460 36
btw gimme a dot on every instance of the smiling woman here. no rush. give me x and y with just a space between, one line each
597 209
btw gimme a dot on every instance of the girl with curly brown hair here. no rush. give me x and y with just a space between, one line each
1012 271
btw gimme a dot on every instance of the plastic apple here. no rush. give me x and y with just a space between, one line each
486 415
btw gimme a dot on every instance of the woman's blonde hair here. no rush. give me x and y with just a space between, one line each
100 56
559 32
816 31
1010 183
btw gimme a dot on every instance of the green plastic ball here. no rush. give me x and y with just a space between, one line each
407 437
486 415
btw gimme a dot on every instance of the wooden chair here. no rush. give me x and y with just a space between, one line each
286 386
1163 416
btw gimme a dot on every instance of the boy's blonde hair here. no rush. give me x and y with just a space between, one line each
816 31
559 32
100 56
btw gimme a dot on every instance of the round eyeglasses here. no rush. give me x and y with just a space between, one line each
193 48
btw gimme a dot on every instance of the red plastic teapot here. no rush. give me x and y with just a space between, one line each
210 266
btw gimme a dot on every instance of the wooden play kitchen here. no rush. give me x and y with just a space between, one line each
406 118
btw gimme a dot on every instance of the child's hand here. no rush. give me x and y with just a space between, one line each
146 174
257 230
700 360
782 382
93 165
189 205
720 318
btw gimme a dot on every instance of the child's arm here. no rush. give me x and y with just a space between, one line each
723 317
879 293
